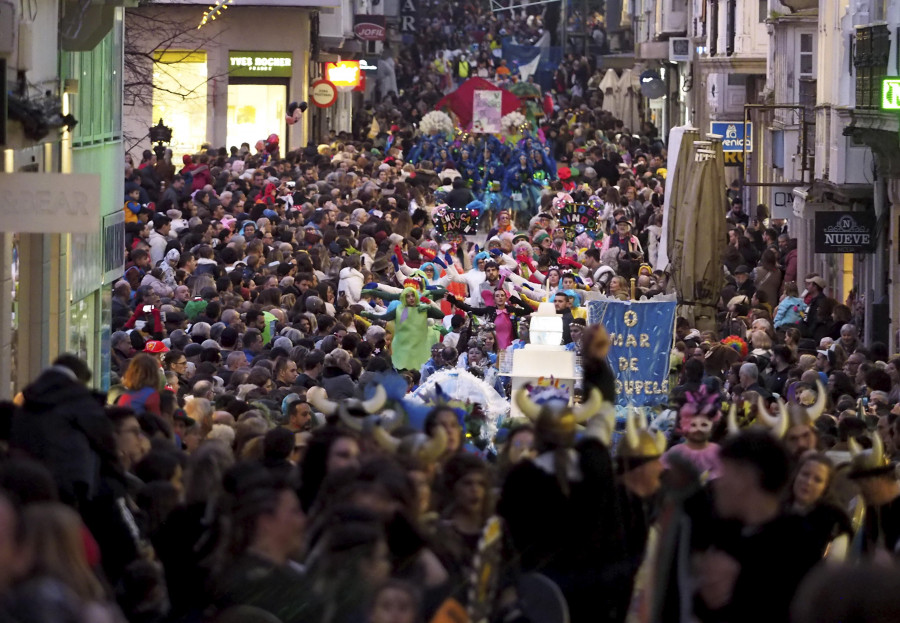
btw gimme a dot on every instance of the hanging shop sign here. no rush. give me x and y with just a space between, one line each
323 93
343 73
890 93
641 335
409 12
368 65
845 232
369 27
243 64
734 134
50 203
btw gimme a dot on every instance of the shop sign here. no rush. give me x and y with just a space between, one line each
369 27
408 14
50 203
845 232
242 64
734 134
890 94
324 93
781 201
343 73
367 65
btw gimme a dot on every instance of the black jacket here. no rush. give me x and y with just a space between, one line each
62 424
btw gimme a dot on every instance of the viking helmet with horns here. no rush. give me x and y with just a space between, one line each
556 422
788 415
352 412
871 462
638 445
417 445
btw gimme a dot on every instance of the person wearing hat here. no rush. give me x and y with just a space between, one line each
623 239
744 281
168 265
876 477
815 287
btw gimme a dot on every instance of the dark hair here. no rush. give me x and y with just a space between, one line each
77 365
765 454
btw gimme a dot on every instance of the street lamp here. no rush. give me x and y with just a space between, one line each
162 136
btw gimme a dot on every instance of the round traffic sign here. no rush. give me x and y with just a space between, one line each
324 93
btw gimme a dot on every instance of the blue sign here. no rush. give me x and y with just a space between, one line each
641 336
733 135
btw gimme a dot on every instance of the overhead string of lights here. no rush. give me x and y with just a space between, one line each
214 11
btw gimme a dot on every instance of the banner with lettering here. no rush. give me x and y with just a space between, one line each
578 218
455 222
641 335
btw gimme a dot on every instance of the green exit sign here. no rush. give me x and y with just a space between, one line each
890 94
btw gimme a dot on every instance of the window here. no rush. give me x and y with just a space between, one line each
179 97
98 103
807 54
763 10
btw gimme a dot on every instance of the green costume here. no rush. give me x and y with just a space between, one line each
413 337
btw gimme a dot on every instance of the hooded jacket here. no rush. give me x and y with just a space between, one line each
62 424
351 284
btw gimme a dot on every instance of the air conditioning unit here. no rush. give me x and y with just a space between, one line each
680 49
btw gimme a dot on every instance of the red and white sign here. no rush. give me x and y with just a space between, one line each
324 93
369 27
343 73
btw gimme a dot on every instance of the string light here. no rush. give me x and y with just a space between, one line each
214 11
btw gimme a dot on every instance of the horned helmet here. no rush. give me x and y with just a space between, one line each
638 445
794 414
871 462
418 446
355 414
556 422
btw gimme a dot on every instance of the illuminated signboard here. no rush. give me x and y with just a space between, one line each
343 73
890 94
243 64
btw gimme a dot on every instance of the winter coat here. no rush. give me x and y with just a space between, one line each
788 311
790 266
161 289
157 244
62 425
202 177
338 383
351 283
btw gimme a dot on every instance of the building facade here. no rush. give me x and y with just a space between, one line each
60 186
225 83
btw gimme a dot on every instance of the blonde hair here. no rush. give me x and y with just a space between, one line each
54 538
807 362
761 339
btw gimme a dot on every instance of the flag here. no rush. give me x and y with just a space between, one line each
525 57
530 68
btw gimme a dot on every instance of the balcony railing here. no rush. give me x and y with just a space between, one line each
870 59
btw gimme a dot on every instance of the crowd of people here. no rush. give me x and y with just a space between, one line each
257 457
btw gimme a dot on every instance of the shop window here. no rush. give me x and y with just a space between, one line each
254 112
180 97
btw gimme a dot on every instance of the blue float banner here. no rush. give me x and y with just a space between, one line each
641 337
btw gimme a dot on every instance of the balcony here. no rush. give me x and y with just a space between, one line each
870 59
